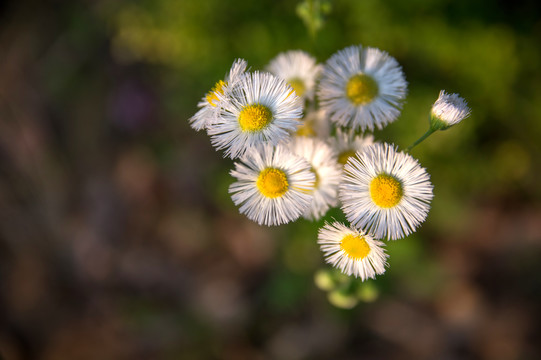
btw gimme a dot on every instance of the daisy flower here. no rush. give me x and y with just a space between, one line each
273 185
352 251
362 88
448 110
384 192
327 173
207 106
299 69
260 108
314 124
347 143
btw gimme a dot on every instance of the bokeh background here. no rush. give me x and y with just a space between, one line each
118 239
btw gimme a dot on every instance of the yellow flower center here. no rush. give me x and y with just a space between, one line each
306 130
344 156
386 191
361 89
218 88
297 85
272 183
355 246
254 117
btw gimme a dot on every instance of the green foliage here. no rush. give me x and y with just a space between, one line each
344 291
313 13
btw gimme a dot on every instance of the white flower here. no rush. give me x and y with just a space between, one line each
327 173
362 88
273 185
352 251
299 69
448 110
207 106
315 124
384 192
347 143
260 108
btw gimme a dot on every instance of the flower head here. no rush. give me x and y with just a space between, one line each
261 108
347 143
273 185
299 69
384 192
352 251
314 124
207 106
322 160
448 110
362 88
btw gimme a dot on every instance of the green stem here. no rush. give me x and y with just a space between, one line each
427 134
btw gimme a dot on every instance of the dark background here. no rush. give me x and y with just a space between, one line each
118 239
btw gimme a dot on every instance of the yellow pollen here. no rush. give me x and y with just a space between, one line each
218 88
386 191
254 117
272 183
355 246
306 130
344 156
361 89
297 85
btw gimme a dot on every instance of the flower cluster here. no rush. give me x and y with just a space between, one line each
300 135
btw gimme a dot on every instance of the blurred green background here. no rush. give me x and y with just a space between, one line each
118 239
